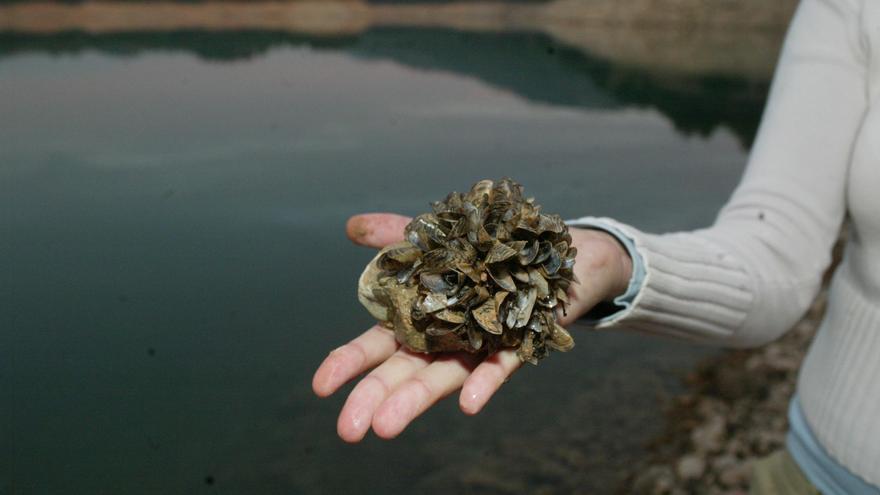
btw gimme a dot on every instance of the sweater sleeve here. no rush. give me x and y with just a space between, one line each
749 277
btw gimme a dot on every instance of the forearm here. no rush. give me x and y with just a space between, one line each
750 276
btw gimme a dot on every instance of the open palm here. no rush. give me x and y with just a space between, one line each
403 384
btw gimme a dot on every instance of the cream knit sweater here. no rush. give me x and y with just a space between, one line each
751 276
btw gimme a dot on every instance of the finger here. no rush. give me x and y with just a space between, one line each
346 362
486 379
357 413
421 391
376 229
579 303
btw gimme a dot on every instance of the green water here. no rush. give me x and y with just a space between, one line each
173 265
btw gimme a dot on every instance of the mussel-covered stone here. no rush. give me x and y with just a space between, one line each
484 270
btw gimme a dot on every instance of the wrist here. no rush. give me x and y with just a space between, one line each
603 264
619 268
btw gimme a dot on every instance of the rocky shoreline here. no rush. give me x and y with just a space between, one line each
733 412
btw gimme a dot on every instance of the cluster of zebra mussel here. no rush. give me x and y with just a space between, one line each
485 270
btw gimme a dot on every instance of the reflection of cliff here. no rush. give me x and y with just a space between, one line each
685 36
699 64
530 65
536 67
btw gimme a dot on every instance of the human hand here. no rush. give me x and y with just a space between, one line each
404 384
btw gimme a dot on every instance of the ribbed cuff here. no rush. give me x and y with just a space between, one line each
692 288
608 311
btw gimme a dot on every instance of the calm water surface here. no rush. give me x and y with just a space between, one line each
174 265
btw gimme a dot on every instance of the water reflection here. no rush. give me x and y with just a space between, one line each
532 65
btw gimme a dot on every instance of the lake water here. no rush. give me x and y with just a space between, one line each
174 265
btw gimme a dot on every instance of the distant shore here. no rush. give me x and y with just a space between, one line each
679 37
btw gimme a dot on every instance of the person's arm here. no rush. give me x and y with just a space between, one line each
621 299
752 275
743 281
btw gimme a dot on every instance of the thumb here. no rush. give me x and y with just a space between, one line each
376 229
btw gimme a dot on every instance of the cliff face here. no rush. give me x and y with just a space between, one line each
723 14
739 38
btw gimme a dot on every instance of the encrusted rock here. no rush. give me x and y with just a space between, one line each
484 270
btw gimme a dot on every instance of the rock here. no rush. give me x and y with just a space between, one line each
736 475
709 437
710 406
691 467
723 461
778 398
732 472
655 480
779 358
735 382
765 442
736 447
